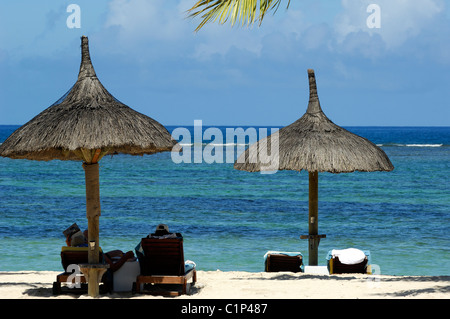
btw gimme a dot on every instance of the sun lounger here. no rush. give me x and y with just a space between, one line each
75 256
163 263
350 260
275 261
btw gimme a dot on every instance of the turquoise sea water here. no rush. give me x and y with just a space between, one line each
230 218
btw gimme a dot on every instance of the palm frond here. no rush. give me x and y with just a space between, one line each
242 11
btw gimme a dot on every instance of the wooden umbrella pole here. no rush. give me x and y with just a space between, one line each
93 271
313 203
313 223
91 172
313 218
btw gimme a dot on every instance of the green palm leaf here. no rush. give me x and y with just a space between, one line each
244 11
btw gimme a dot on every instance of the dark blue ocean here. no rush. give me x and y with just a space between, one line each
229 218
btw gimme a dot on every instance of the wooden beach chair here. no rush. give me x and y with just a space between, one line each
163 263
76 256
283 261
343 265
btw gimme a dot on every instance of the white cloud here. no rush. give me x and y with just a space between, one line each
141 20
159 29
145 25
163 26
220 39
401 20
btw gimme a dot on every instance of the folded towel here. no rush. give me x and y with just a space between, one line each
287 253
349 256
188 265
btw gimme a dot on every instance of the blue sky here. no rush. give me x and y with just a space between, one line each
146 53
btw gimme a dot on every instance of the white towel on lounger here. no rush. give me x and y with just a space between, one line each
349 256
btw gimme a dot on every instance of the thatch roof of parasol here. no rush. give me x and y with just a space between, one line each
86 119
315 144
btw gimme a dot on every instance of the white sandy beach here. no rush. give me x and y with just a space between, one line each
245 285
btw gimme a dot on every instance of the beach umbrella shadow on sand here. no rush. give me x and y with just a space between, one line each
315 144
84 125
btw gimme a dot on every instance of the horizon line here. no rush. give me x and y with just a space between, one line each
273 126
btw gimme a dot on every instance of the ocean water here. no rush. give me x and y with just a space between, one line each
229 218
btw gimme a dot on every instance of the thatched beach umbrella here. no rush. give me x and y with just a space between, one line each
84 125
315 144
